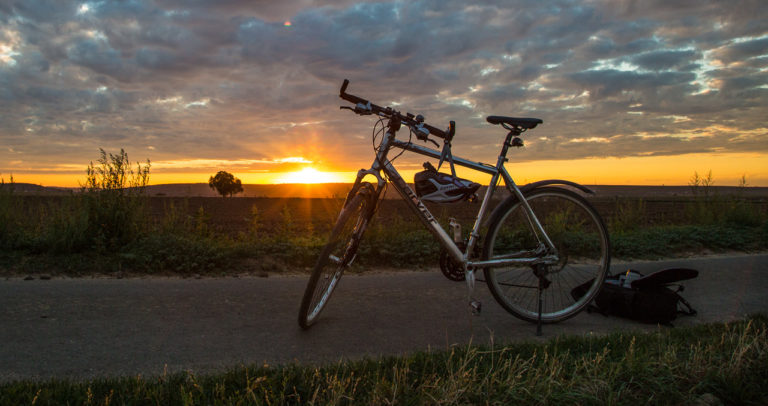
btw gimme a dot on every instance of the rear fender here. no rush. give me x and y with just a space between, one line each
527 188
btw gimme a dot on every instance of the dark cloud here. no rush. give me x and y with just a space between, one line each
665 60
98 56
606 83
744 50
229 79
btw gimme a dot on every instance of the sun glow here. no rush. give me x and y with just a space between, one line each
309 175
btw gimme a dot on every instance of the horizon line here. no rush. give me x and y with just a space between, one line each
350 183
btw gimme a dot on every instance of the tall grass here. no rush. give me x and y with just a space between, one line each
724 363
712 208
710 221
107 213
114 199
8 212
107 227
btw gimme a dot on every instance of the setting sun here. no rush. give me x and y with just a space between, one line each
309 175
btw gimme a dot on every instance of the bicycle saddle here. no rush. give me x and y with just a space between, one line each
527 123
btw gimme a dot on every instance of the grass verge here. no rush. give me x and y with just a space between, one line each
110 228
723 362
189 253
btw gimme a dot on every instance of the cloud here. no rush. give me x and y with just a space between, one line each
743 50
667 59
225 80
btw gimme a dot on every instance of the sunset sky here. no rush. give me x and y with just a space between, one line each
631 92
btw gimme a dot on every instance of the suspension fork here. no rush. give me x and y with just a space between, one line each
376 166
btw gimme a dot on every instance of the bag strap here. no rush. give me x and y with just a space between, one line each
446 153
593 308
687 310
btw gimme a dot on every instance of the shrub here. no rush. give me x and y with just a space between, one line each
114 196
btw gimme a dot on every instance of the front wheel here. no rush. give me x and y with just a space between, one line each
337 255
583 252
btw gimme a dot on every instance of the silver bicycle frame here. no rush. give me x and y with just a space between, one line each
414 202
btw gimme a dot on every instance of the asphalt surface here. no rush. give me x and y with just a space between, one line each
84 328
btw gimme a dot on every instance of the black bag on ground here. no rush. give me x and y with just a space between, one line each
645 298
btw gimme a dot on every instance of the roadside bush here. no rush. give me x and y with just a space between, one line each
107 213
114 200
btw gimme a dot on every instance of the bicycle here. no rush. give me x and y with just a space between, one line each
541 242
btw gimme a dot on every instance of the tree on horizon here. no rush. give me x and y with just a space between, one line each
225 183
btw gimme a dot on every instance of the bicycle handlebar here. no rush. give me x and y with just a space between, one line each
408 118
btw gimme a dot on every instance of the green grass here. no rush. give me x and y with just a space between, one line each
57 240
107 228
724 361
665 241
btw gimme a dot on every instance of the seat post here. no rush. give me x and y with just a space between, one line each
513 132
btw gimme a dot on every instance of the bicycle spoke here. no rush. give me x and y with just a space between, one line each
582 243
337 255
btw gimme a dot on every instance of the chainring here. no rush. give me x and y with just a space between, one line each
450 268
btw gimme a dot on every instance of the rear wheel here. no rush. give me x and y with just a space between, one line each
583 248
337 255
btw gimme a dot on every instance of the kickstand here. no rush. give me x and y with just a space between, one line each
538 324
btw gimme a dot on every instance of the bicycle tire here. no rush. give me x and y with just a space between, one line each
337 255
581 238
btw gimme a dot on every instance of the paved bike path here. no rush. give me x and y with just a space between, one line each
81 328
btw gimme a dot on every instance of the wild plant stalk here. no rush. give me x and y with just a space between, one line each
8 211
255 221
712 208
108 212
630 214
114 193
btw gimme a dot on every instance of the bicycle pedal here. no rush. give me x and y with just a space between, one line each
476 306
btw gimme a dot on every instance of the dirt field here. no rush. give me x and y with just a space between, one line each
660 204
234 214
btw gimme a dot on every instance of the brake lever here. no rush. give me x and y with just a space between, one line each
364 109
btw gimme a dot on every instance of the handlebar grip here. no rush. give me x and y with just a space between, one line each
344 87
350 97
376 109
